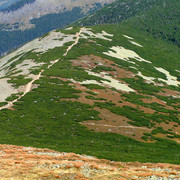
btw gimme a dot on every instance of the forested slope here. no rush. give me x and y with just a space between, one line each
161 18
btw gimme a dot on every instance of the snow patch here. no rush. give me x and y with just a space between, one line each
98 35
135 43
6 89
148 79
133 67
171 80
111 82
107 34
51 41
128 37
124 54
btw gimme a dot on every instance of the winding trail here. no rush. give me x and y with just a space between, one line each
28 86
76 41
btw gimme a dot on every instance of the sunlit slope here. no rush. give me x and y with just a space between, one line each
104 91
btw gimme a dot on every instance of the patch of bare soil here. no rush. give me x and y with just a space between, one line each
91 61
145 109
111 122
169 92
114 123
171 125
62 79
109 95
29 163
154 99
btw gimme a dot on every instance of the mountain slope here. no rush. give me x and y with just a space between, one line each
17 5
161 18
103 91
25 20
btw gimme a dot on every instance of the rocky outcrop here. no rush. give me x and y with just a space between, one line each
19 162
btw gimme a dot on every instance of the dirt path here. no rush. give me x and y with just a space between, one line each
132 127
76 41
28 87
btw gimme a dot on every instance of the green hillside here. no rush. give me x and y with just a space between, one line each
109 91
161 18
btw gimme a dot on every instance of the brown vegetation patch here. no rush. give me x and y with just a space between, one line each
154 99
111 122
29 163
114 123
91 61
169 92
63 79
171 125
145 109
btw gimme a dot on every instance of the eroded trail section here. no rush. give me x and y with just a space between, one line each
76 41
110 126
28 87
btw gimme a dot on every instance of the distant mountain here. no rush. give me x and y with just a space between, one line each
16 4
160 18
24 20
5 4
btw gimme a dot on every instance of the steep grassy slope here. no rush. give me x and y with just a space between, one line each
161 18
107 91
